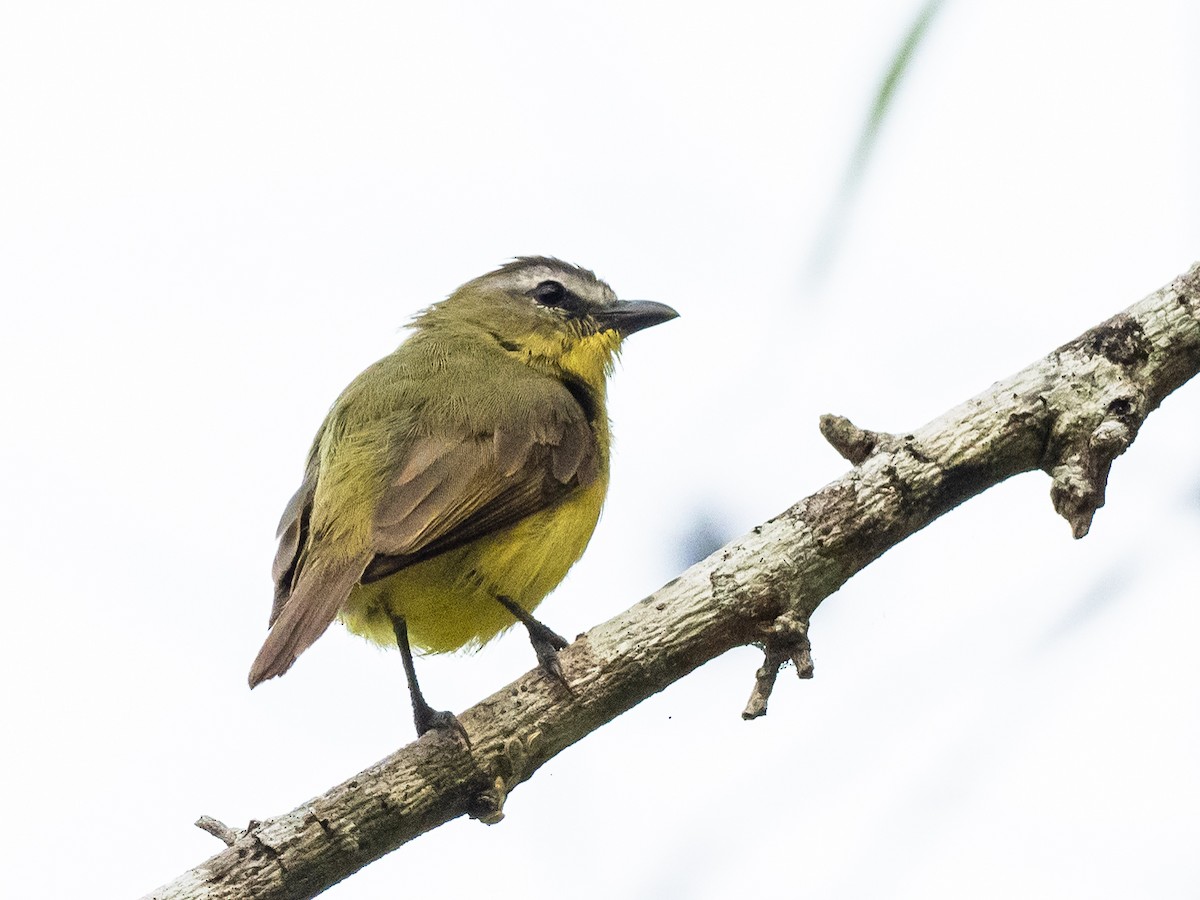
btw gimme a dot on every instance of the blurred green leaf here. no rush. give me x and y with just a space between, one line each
830 234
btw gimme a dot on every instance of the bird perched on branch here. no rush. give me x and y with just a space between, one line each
455 482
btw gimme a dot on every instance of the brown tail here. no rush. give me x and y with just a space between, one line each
312 606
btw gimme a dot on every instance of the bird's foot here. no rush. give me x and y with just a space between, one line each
546 644
426 718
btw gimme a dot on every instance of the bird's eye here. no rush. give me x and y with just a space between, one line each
549 293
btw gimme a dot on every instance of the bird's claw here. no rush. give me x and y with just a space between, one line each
429 719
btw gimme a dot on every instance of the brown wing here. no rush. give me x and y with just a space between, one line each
447 492
293 535
453 492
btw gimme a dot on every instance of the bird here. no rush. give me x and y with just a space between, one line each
454 482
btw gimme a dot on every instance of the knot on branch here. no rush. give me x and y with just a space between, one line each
488 805
342 832
1083 456
786 638
511 768
1099 405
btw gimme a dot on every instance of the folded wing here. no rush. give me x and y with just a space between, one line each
444 492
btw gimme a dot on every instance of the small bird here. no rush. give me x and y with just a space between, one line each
454 482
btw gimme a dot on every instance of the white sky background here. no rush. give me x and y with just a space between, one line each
212 217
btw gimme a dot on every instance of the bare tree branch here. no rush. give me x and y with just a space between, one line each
1070 415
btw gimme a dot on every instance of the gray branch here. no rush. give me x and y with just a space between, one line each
1070 415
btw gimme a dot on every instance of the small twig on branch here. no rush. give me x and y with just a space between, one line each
1070 415
218 829
786 641
852 442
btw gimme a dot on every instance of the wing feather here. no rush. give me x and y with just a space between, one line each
482 497
415 499
567 456
512 448
293 535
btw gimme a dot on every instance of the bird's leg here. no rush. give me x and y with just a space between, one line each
546 643
424 716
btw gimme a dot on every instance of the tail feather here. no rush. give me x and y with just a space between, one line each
312 606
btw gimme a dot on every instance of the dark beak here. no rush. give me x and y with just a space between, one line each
628 316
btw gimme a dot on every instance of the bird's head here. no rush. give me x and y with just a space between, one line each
549 313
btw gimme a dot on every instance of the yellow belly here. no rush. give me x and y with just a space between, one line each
449 601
